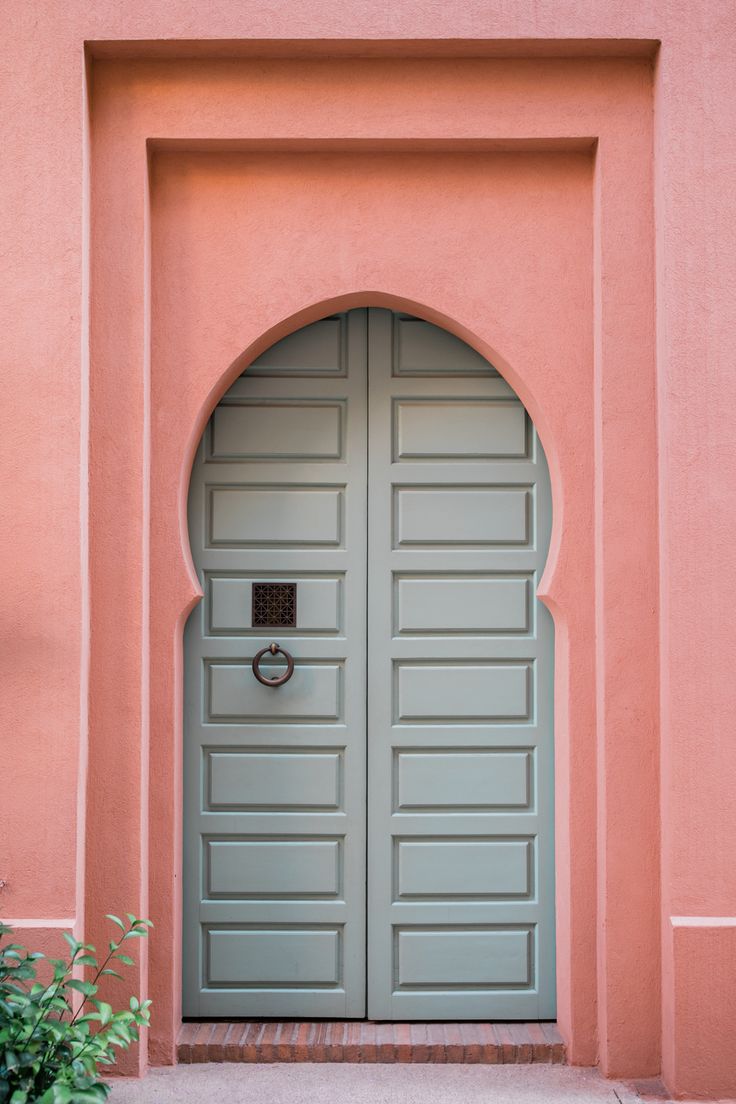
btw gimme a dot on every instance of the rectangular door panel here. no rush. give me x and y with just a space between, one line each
461 515
251 868
274 958
277 516
450 429
314 693
242 430
462 692
457 958
456 869
462 779
460 604
253 779
229 604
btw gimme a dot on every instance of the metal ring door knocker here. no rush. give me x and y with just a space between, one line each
277 680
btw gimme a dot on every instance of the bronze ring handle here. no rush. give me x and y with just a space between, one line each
277 680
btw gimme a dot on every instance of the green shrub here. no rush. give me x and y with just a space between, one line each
55 1036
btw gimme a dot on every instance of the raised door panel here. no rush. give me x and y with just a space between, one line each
462 516
274 826
319 604
468 692
469 604
456 429
458 868
293 869
274 516
286 430
479 779
274 958
463 957
262 778
461 902
314 693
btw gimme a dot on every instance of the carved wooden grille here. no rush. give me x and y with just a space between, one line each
274 605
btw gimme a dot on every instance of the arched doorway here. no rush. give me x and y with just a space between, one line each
373 836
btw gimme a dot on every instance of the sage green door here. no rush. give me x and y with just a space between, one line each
373 837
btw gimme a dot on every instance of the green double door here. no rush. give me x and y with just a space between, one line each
374 836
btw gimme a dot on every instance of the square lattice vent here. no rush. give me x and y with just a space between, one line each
274 605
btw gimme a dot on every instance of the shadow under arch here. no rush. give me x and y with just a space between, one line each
546 591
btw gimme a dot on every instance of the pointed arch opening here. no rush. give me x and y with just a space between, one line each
385 464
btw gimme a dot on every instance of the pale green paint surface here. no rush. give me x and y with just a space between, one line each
460 783
451 790
275 785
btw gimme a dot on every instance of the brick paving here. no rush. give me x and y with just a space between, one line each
358 1041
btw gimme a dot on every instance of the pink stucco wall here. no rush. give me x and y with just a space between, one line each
611 309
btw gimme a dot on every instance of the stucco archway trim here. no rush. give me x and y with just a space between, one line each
150 398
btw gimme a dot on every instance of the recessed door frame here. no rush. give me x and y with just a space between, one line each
581 356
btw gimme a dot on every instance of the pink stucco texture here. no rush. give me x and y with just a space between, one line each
551 180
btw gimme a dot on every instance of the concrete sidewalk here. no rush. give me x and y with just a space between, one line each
372 1084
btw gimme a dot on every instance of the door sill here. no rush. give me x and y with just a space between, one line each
363 1041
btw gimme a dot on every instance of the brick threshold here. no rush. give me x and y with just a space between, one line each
363 1041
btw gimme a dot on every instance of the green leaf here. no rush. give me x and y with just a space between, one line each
48 1055
86 988
115 920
